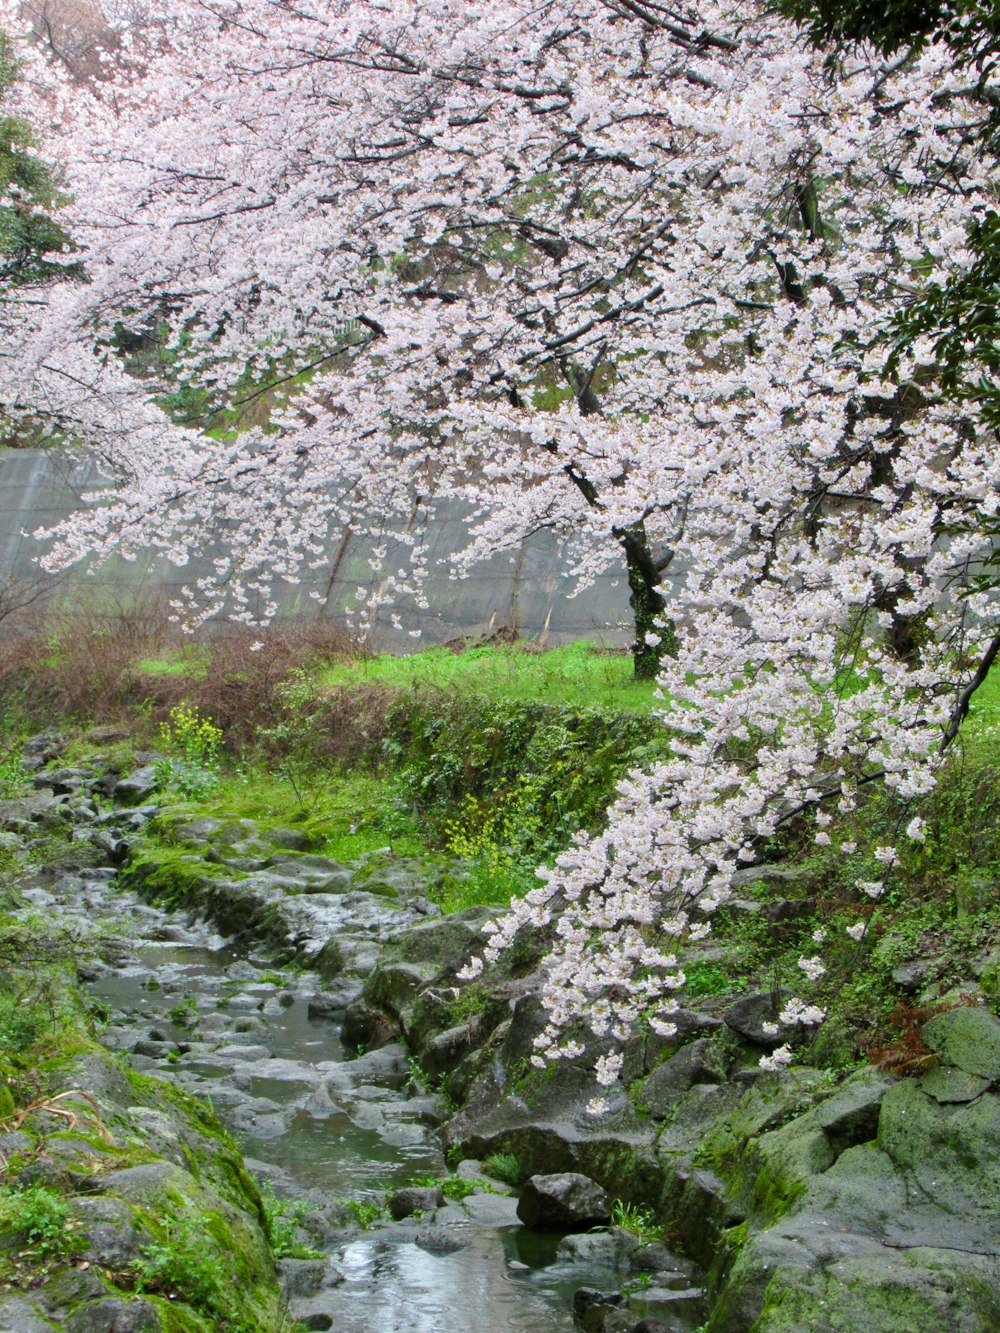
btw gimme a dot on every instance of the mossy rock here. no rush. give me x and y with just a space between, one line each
968 1038
866 1292
951 1152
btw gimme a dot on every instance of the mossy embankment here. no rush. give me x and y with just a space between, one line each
123 1202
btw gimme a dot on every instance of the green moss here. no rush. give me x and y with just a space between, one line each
865 1302
171 874
178 1319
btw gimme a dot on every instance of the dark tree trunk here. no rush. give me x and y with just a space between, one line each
647 602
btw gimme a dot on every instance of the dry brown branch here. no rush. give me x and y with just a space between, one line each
48 1106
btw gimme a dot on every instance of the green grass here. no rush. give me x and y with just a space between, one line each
192 660
984 712
578 675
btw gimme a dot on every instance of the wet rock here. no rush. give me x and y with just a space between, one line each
441 1241
112 844
21 812
600 1311
90 969
20 1315
63 781
769 876
470 1169
302 1277
562 1202
850 1116
656 1258
331 1004
42 749
491 1210
445 943
156 1050
690 1024
13 1141
601 1319
424 907
317 874
700 1061
749 1015
115 1316
247 1025
108 1234
288 839
237 1053
949 1086
444 1051
600 1249
144 1184
909 977
367 1027
83 812
139 785
413 1199
198 830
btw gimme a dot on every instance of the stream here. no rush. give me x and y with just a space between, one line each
324 1126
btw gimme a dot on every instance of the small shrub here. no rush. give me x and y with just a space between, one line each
281 1221
12 775
364 1211
81 662
38 1220
184 1014
194 743
707 979
503 1166
21 1023
637 1221
455 1188
184 1267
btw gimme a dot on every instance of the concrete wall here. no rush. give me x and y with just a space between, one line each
526 588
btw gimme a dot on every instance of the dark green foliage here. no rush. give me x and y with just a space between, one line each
503 1166
31 242
971 27
528 774
281 1219
963 319
183 1265
37 1220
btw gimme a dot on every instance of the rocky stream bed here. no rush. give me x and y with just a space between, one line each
315 1005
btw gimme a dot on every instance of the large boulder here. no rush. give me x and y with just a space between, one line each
876 1208
567 1201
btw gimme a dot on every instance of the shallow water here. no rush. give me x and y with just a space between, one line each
323 1128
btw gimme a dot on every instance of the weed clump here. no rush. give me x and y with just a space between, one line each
503 1166
36 1220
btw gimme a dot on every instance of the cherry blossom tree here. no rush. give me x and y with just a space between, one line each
613 266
